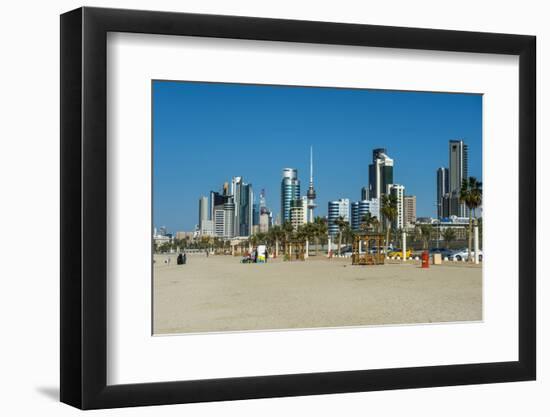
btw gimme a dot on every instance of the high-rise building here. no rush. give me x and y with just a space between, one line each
217 200
337 208
409 210
398 191
364 193
290 190
442 191
458 171
244 200
264 222
219 222
298 212
263 206
203 210
311 191
255 214
360 208
380 173
206 228
228 219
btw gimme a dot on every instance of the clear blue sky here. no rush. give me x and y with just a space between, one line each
206 133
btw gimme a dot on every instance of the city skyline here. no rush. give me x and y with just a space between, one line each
192 157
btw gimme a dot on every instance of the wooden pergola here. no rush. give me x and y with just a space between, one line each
295 250
367 249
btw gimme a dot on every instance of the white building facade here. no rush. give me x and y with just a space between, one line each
398 191
336 209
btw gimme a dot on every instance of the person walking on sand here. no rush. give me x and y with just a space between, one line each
266 255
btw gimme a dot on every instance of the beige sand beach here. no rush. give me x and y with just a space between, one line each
220 294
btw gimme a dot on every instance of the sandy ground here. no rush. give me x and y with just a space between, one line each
220 294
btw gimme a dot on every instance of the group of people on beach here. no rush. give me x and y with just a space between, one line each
182 259
258 255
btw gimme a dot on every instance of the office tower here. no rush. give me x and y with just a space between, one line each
229 218
206 228
360 208
364 193
222 213
374 207
223 220
263 206
236 188
442 191
219 221
290 190
203 210
217 200
255 214
409 210
398 191
311 191
264 222
380 173
162 231
458 171
298 212
336 209
244 200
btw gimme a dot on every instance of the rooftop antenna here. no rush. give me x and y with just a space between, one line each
311 165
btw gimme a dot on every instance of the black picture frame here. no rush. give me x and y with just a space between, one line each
84 207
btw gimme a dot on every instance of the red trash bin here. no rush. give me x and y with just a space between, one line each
425 259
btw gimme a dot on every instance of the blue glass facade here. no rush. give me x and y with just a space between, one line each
290 191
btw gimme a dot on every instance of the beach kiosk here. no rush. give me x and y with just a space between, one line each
296 250
367 249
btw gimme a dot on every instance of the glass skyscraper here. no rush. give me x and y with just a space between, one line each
244 200
290 190
380 173
458 171
442 192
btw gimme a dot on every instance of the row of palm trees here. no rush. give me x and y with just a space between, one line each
317 231
283 235
470 195
202 243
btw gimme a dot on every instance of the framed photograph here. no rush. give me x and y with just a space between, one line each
257 208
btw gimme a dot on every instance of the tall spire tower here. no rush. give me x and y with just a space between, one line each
311 191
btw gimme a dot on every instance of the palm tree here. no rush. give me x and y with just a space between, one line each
389 211
321 229
301 233
276 235
341 223
448 236
368 221
427 231
261 237
253 241
424 233
470 194
309 233
287 233
349 234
